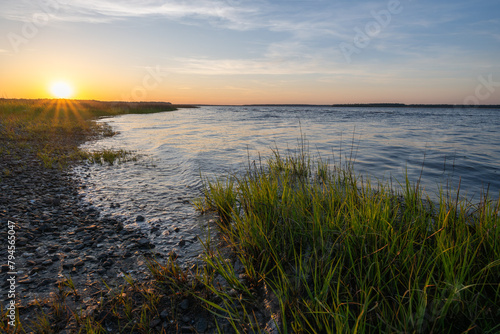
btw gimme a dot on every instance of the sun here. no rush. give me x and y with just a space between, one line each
61 90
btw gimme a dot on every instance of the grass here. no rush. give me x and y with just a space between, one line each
341 256
52 129
109 156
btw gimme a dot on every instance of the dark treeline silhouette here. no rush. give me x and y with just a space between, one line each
379 105
402 105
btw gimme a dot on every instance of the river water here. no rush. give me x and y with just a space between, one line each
442 147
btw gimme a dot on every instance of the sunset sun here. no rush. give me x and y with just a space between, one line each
61 90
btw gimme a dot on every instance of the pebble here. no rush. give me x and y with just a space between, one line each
201 325
47 262
155 322
108 263
143 242
90 258
67 265
26 281
47 281
79 263
184 304
164 314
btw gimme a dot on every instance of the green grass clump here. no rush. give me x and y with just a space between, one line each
109 156
339 255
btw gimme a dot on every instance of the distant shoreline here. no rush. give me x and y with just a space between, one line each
379 105
338 105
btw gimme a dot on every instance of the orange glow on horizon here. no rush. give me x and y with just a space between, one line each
180 90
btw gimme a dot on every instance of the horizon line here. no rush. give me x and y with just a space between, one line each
355 104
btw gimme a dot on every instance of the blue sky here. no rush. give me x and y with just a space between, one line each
238 51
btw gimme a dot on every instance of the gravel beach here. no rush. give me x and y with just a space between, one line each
57 240
64 266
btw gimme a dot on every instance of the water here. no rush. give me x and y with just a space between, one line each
443 146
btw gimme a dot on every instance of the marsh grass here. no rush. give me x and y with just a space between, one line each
51 130
110 156
341 255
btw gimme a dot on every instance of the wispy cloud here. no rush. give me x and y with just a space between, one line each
229 66
261 66
304 19
108 11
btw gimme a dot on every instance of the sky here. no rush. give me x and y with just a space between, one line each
252 52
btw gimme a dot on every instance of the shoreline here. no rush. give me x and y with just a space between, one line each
67 257
57 238
363 105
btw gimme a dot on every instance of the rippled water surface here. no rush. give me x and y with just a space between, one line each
175 148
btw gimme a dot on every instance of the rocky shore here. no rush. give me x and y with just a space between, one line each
57 239
72 269
64 247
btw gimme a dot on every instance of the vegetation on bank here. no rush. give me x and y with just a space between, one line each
52 129
304 247
341 254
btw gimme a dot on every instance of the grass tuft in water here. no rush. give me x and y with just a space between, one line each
109 156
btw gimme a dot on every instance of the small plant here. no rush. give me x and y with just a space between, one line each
92 326
47 160
109 156
169 275
42 324
222 198
69 283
